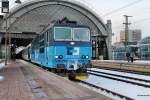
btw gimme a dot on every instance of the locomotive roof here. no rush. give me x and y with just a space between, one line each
71 25
64 25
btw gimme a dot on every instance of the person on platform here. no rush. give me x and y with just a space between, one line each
132 57
128 56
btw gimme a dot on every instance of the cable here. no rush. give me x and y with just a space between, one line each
142 20
138 21
125 6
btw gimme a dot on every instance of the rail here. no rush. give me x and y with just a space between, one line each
135 83
138 79
103 89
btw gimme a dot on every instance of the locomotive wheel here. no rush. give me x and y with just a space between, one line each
53 70
72 75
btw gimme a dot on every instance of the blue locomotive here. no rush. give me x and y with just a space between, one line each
63 48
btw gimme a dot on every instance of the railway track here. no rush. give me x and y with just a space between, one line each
122 80
97 87
124 70
137 79
103 89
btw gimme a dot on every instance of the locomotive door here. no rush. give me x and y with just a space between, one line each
46 47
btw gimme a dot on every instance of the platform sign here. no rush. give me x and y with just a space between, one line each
5 6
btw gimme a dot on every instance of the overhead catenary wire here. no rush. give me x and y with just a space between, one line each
137 21
141 20
123 7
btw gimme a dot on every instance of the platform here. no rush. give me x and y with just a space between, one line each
25 81
138 66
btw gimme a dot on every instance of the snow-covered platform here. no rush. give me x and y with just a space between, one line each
142 62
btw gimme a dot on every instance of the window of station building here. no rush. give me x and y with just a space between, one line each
144 48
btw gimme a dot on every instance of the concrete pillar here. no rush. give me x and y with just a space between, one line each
109 39
3 51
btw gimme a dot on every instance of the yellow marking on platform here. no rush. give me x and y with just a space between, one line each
66 78
82 77
77 77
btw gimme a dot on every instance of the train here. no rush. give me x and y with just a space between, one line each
62 48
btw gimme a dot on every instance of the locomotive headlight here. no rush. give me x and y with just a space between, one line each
59 57
56 57
72 43
87 57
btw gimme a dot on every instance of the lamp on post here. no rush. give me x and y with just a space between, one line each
5 6
5 9
18 1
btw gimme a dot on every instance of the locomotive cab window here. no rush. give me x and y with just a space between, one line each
62 33
81 34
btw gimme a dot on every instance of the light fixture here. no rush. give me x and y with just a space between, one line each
18 1
56 57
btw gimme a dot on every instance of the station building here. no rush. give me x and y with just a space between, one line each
29 19
144 46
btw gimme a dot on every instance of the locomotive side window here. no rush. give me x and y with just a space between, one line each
81 34
62 33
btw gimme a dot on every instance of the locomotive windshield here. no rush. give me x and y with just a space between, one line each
81 34
62 33
73 34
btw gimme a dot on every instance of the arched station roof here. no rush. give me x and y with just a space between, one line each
146 40
35 15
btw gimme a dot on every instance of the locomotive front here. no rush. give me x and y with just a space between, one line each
73 50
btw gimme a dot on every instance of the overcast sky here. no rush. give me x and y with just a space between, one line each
139 9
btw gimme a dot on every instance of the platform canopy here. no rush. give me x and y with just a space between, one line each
35 15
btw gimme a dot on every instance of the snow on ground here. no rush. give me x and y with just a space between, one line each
130 90
1 66
1 78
